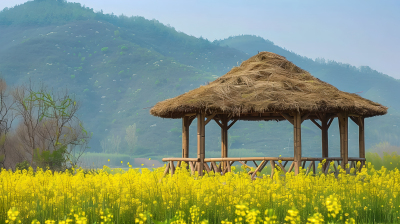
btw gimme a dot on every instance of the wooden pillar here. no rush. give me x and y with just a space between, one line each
224 139
185 137
361 140
324 134
344 146
200 142
297 142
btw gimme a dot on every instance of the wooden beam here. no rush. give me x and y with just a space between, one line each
297 142
232 123
255 163
355 120
304 117
180 159
209 118
233 159
291 167
269 118
257 169
191 114
282 167
166 170
219 124
288 118
330 121
309 167
216 168
207 167
316 123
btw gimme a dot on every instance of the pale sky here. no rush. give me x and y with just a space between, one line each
358 32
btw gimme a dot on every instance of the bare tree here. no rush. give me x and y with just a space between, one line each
131 137
49 123
6 119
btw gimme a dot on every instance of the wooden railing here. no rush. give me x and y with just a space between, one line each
225 164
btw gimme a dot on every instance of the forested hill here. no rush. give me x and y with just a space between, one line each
365 81
119 67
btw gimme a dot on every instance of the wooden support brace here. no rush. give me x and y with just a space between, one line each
228 166
334 166
255 163
258 169
327 167
312 119
309 167
354 120
286 162
304 164
233 122
291 167
314 168
282 167
330 122
262 167
166 170
209 118
219 123
304 117
179 164
272 163
216 168
288 118
207 167
244 164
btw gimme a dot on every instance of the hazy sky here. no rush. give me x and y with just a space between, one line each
358 32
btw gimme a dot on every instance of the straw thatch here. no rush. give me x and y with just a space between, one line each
266 82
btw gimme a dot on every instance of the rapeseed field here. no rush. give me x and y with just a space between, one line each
144 196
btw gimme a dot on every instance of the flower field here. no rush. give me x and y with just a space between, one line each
117 196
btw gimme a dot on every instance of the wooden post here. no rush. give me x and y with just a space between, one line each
324 134
343 128
297 142
361 140
200 142
224 139
185 137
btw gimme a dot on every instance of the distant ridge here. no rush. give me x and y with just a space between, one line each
118 65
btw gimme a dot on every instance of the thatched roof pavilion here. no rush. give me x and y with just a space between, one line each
268 87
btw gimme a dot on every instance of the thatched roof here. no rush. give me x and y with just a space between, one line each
266 82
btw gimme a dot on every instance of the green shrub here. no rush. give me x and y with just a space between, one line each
23 165
104 49
54 160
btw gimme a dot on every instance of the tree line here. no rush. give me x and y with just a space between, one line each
40 128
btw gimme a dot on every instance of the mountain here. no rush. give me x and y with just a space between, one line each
118 67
